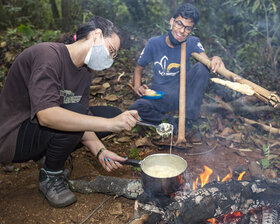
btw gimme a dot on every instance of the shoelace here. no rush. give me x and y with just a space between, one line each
57 182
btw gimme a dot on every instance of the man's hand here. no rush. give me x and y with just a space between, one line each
140 91
109 160
216 63
125 121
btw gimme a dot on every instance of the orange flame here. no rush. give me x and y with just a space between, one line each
228 176
195 184
213 221
204 177
241 175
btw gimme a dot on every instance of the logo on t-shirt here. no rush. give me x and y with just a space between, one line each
167 69
200 46
69 97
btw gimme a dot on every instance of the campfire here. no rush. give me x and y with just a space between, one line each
204 179
223 196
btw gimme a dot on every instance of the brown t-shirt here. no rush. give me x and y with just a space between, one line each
42 76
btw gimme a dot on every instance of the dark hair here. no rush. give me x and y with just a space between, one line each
187 11
107 27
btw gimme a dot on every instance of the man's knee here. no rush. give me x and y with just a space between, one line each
75 107
141 105
202 71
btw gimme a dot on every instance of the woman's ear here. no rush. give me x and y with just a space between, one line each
97 36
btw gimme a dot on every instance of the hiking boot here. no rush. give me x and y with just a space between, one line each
54 188
192 132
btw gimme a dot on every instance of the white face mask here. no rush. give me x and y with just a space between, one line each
98 57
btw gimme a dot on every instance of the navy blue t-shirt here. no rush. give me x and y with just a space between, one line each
166 60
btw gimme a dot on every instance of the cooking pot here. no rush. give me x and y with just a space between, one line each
162 174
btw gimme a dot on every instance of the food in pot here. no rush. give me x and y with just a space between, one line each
150 92
162 171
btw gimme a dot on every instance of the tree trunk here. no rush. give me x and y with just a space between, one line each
135 10
65 9
54 10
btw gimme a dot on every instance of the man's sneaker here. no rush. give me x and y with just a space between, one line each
192 132
194 137
53 187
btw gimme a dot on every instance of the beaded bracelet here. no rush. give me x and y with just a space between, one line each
99 152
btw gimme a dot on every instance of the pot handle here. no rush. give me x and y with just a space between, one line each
132 162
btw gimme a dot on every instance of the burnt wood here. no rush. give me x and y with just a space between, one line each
213 200
217 199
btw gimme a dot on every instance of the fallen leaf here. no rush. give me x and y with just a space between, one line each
124 139
128 102
95 88
96 80
108 137
116 209
227 131
111 97
106 85
270 174
235 137
142 142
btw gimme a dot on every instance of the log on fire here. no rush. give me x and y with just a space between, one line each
128 188
220 198
213 200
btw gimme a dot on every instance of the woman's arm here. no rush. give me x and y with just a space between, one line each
108 159
65 120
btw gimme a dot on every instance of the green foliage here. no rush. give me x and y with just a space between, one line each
134 153
245 34
266 161
25 36
36 12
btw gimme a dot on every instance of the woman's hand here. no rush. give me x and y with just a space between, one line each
125 121
110 160
141 90
216 63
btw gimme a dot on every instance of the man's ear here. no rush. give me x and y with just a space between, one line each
171 21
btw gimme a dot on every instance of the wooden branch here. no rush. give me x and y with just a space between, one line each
265 127
182 97
240 105
260 92
217 199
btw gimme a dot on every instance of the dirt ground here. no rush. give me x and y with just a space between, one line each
21 201
228 143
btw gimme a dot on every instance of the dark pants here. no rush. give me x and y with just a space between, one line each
35 141
154 111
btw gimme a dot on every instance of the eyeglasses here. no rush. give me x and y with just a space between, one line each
112 50
180 25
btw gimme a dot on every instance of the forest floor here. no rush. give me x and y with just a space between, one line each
229 144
